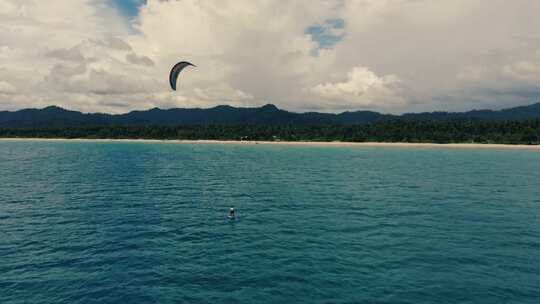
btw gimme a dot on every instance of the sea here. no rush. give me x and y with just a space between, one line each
130 222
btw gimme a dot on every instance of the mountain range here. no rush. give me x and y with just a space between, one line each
56 117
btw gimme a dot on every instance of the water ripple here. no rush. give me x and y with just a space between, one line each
146 223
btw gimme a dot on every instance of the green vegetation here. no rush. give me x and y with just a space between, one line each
462 131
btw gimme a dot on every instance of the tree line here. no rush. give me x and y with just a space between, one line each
462 131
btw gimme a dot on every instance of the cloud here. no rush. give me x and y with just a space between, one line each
112 43
6 88
141 60
522 70
72 54
389 55
363 88
505 79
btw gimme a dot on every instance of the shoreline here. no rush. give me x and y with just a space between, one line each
294 143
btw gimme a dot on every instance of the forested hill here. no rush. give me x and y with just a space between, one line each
55 117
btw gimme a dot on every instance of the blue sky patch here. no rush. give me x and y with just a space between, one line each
336 23
130 8
327 34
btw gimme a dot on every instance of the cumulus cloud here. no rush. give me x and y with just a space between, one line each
362 88
389 55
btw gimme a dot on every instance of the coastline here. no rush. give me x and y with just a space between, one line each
296 143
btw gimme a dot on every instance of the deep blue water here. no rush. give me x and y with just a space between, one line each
147 223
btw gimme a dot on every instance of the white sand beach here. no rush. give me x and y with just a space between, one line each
298 143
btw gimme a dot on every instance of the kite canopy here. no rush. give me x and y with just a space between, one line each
177 68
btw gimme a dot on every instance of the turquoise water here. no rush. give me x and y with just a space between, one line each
147 223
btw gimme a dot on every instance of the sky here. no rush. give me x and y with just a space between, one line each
391 56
